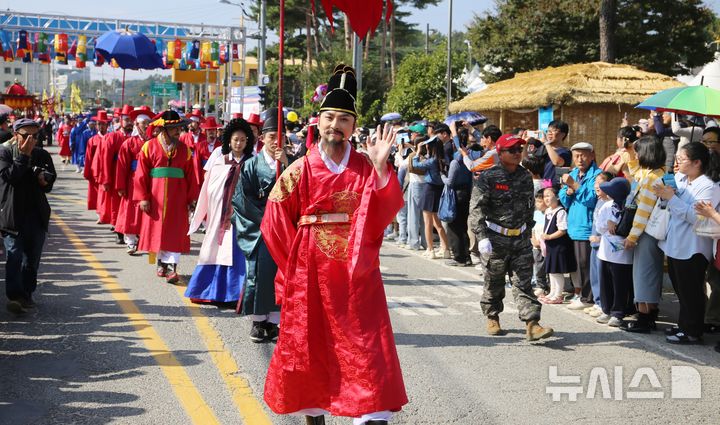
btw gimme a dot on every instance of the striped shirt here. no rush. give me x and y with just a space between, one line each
645 198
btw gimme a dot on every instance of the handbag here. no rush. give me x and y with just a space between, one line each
706 227
447 210
657 225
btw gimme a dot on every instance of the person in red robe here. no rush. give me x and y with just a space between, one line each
89 171
104 164
205 147
193 136
129 214
127 124
166 189
63 138
324 227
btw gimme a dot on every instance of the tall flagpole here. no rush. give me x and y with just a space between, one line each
281 63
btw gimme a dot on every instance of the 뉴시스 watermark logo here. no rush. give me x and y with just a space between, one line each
685 383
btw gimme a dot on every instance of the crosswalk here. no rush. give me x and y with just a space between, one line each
437 298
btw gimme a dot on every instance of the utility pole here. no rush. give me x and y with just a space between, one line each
449 59
427 38
261 50
358 60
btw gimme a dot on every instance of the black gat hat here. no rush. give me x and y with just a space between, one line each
341 91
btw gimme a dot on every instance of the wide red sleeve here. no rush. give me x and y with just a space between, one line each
122 168
279 223
142 189
377 209
89 154
112 148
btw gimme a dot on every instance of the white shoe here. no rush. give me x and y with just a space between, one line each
615 322
446 254
391 236
576 304
538 292
430 253
603 319
596 313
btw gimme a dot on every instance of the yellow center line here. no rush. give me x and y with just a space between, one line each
250 408
68 198
183 387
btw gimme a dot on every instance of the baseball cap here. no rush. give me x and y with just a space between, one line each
507 141
24 122
418 128
582 146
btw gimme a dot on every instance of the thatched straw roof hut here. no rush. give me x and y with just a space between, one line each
592 98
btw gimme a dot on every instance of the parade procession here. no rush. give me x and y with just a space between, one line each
360 212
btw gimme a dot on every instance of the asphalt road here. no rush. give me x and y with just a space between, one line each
111 343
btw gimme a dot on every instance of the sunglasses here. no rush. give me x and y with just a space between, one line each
516 150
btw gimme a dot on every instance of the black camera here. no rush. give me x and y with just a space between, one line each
47 175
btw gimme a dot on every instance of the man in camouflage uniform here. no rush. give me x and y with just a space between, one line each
502 219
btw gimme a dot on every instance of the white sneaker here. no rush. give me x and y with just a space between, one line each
576 304
596 313
603 319
615 322
430 254
392 236
538 292
446 254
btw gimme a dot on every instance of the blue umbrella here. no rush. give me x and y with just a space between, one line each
471 117
131 50
390 116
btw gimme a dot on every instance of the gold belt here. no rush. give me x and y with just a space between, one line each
336 218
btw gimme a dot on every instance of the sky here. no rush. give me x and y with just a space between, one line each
214 13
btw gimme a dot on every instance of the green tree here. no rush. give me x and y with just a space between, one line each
419 90
666 36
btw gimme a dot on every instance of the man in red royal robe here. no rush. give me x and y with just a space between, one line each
166 189
193 135
324 227
89 171
129 214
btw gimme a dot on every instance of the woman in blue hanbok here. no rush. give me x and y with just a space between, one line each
221 270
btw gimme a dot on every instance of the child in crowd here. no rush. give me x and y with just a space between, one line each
616 279
539 274
596 310
559 256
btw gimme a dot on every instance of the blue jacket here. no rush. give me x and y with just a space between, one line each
431 168
581 204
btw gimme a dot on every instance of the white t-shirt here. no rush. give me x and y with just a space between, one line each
561 221
611 247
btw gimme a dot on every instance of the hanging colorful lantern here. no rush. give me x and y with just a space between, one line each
81 51
205 54
174 52
7 48
42 47
61 48
224 53
23 47
215 54
187 54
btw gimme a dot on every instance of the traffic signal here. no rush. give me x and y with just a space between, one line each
262 94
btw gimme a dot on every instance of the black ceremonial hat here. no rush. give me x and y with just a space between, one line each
271 120
341 91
